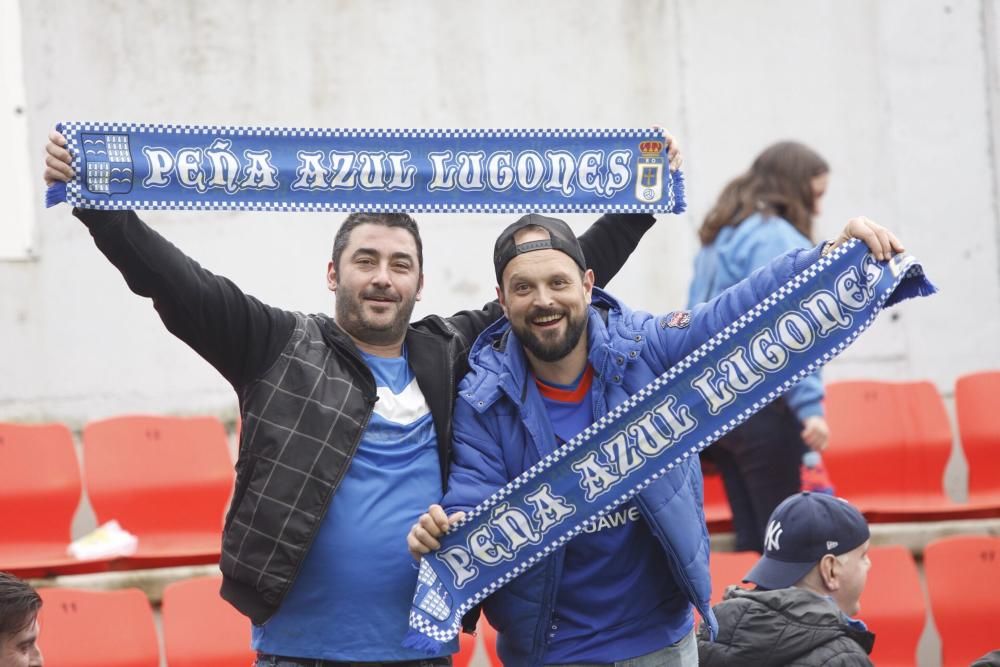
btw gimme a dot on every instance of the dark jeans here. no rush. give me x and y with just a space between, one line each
265 660
760 465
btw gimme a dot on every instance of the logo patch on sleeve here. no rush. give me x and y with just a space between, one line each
679 319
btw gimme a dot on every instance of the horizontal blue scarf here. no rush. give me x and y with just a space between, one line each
745 366
124 166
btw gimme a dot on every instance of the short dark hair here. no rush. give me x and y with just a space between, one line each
19 604
401 220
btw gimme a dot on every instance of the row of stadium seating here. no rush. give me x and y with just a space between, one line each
200 630
966 612
167 479
85 628
164 479
890 443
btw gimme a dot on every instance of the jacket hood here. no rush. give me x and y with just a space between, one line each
498 365
780 626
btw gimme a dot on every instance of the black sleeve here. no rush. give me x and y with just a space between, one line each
240 336
606 245
608 242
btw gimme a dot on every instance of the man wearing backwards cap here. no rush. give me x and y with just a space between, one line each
809 583
565 355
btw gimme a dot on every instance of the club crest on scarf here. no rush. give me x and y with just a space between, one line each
109 163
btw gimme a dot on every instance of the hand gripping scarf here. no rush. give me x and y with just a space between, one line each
124 166
787 336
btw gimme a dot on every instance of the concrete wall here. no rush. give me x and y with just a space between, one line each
900 96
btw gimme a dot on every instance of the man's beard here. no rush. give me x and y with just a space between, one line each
350 315
550 350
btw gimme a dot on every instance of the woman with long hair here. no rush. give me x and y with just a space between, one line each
761 214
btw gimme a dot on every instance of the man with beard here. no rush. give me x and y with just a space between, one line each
566 354
346 422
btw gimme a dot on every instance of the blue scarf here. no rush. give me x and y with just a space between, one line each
745 366
125 166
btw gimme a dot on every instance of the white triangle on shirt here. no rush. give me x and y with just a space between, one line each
405 407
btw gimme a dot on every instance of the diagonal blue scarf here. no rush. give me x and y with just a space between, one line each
745 366
127 166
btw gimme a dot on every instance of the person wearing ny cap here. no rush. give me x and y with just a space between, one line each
566 354
809 583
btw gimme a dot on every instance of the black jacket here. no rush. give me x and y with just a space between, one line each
305 394
790 626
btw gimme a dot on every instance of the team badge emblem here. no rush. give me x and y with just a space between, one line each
108 163
649 172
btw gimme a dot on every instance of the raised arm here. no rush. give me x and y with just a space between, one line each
707 319
234 332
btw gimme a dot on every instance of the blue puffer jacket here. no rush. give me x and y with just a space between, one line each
501 429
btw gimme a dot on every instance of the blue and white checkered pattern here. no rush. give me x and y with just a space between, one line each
417 142
555 470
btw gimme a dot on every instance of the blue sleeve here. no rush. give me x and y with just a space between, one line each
477 466
707 319
806 398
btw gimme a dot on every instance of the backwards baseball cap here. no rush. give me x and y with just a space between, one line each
561 238
802 529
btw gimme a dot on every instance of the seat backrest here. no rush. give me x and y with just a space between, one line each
892 605
962 576
97 628
728 569
716 503
489 636
39 482
158 474
200 628
887 440
977 404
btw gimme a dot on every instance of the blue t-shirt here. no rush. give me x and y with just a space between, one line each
351 599
616 598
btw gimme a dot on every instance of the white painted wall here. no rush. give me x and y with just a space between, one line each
901 96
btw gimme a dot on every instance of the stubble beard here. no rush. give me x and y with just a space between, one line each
350 315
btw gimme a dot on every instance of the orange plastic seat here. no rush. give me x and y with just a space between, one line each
200 629
97 628
728 569
889 445
39 494
977 402
489 636
165 479
893 606
718 515
962 575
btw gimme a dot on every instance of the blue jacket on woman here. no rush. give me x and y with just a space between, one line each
501 428
737 252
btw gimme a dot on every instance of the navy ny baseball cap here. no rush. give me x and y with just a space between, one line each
802 529
561 238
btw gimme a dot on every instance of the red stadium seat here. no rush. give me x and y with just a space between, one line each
466 650
165 479
718 515
893 606
200 629
39 494
97 629
962 575
977 402
889 445
728 569
489 636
